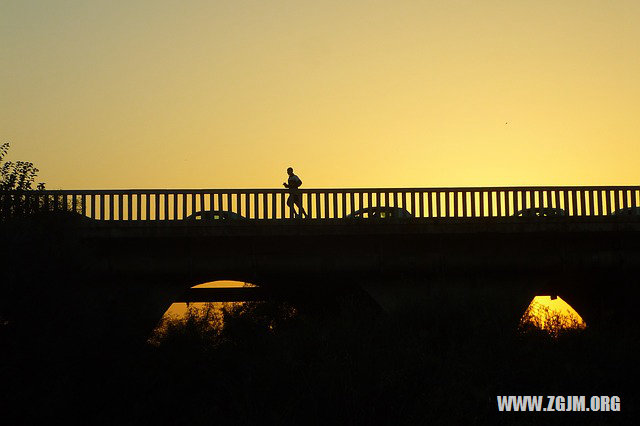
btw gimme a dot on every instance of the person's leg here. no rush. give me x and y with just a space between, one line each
303 213
298 202
290 203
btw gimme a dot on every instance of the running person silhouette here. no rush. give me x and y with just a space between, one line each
295 198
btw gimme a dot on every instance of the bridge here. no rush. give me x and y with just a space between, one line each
579 242
270 204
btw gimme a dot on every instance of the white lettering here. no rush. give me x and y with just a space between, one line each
615 403
595 403
604 402
550 404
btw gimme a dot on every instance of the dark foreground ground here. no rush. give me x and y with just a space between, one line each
340 361
72 350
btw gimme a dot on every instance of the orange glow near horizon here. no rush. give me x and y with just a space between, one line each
552 315
180 310
199 94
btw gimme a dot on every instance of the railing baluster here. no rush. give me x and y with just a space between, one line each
274 205
600 206
548 198
352 202
185 213
540 198
556 194
447 205
473 203
413 203
455 203
490 204
507 203
438 195
309 207
265 205
102 215
464 203
112 201
174 199
574 202
326 204
344 204
156 199
334 200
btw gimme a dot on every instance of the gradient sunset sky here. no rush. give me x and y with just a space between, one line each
214 94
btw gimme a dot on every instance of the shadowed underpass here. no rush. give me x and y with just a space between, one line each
590 262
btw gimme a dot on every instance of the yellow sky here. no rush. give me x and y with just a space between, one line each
211 94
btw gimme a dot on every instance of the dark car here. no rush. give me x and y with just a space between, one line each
380 213
541 212
213 215
627 211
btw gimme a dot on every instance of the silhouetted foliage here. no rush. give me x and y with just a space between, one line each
18 181
538 319
19 175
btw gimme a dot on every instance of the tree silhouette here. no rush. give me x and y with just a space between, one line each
19 175
17 179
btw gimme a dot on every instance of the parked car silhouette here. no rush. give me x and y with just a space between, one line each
208 215
380 213
627 211
540 212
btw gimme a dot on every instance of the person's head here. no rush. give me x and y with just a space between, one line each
290 171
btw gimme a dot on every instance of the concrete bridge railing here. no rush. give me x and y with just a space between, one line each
269 204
